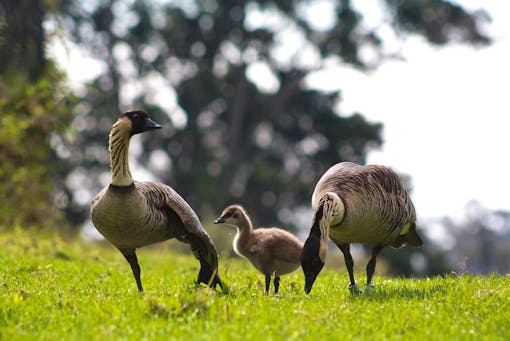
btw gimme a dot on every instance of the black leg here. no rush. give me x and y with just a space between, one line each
276 284
268 282
372 262
130 256
349 262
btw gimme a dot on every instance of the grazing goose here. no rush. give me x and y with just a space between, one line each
357 204
269 250
133 214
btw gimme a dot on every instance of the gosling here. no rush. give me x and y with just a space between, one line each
272 251
133 214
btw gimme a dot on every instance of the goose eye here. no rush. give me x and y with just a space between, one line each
235 215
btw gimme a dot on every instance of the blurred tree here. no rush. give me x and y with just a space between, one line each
22 37
481 241
231 75
36 107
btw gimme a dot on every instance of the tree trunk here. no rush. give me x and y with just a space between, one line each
22 38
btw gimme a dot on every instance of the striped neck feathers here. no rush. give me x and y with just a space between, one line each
118 145
330 212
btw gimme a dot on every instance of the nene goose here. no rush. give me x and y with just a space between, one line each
357 204
269 250
133 214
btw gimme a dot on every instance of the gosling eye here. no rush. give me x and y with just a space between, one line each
235 215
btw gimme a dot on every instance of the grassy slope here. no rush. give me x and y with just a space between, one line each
53 289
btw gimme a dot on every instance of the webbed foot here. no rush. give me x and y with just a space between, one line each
354 289
369 288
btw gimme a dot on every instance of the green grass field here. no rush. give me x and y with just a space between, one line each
57 289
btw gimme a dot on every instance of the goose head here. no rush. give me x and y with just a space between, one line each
231 215
329 210
135 122
312 260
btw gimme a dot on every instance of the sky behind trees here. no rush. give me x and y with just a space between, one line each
444 110
446 116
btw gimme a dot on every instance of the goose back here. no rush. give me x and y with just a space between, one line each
377 205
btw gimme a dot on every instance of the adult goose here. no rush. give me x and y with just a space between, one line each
358 204
272 251
132 214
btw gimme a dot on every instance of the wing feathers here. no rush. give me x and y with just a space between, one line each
176 209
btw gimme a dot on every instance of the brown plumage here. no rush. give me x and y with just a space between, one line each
358 204
133 214
272 251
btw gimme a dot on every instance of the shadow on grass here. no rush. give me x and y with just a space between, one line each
384 294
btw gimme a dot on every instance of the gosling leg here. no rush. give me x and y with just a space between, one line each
130 256
268 282
276 283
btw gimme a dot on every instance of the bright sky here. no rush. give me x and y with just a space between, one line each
445 111
446 116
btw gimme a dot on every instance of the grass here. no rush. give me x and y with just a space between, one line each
57 289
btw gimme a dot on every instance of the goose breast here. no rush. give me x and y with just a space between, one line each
128 218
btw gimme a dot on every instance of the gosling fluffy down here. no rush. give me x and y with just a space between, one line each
272 251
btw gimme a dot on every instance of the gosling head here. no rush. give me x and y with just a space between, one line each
136 122
231 215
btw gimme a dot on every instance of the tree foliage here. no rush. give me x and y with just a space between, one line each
36 108
33 113
237 136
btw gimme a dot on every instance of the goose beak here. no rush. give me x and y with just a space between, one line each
151 125
309 280
219 220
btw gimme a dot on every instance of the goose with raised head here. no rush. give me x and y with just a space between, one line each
272 251
358 204
132 214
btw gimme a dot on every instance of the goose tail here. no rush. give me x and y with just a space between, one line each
413 238
205 251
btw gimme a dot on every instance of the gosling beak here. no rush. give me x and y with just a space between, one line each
150 125
219 220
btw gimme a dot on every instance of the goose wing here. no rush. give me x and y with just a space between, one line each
178 212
